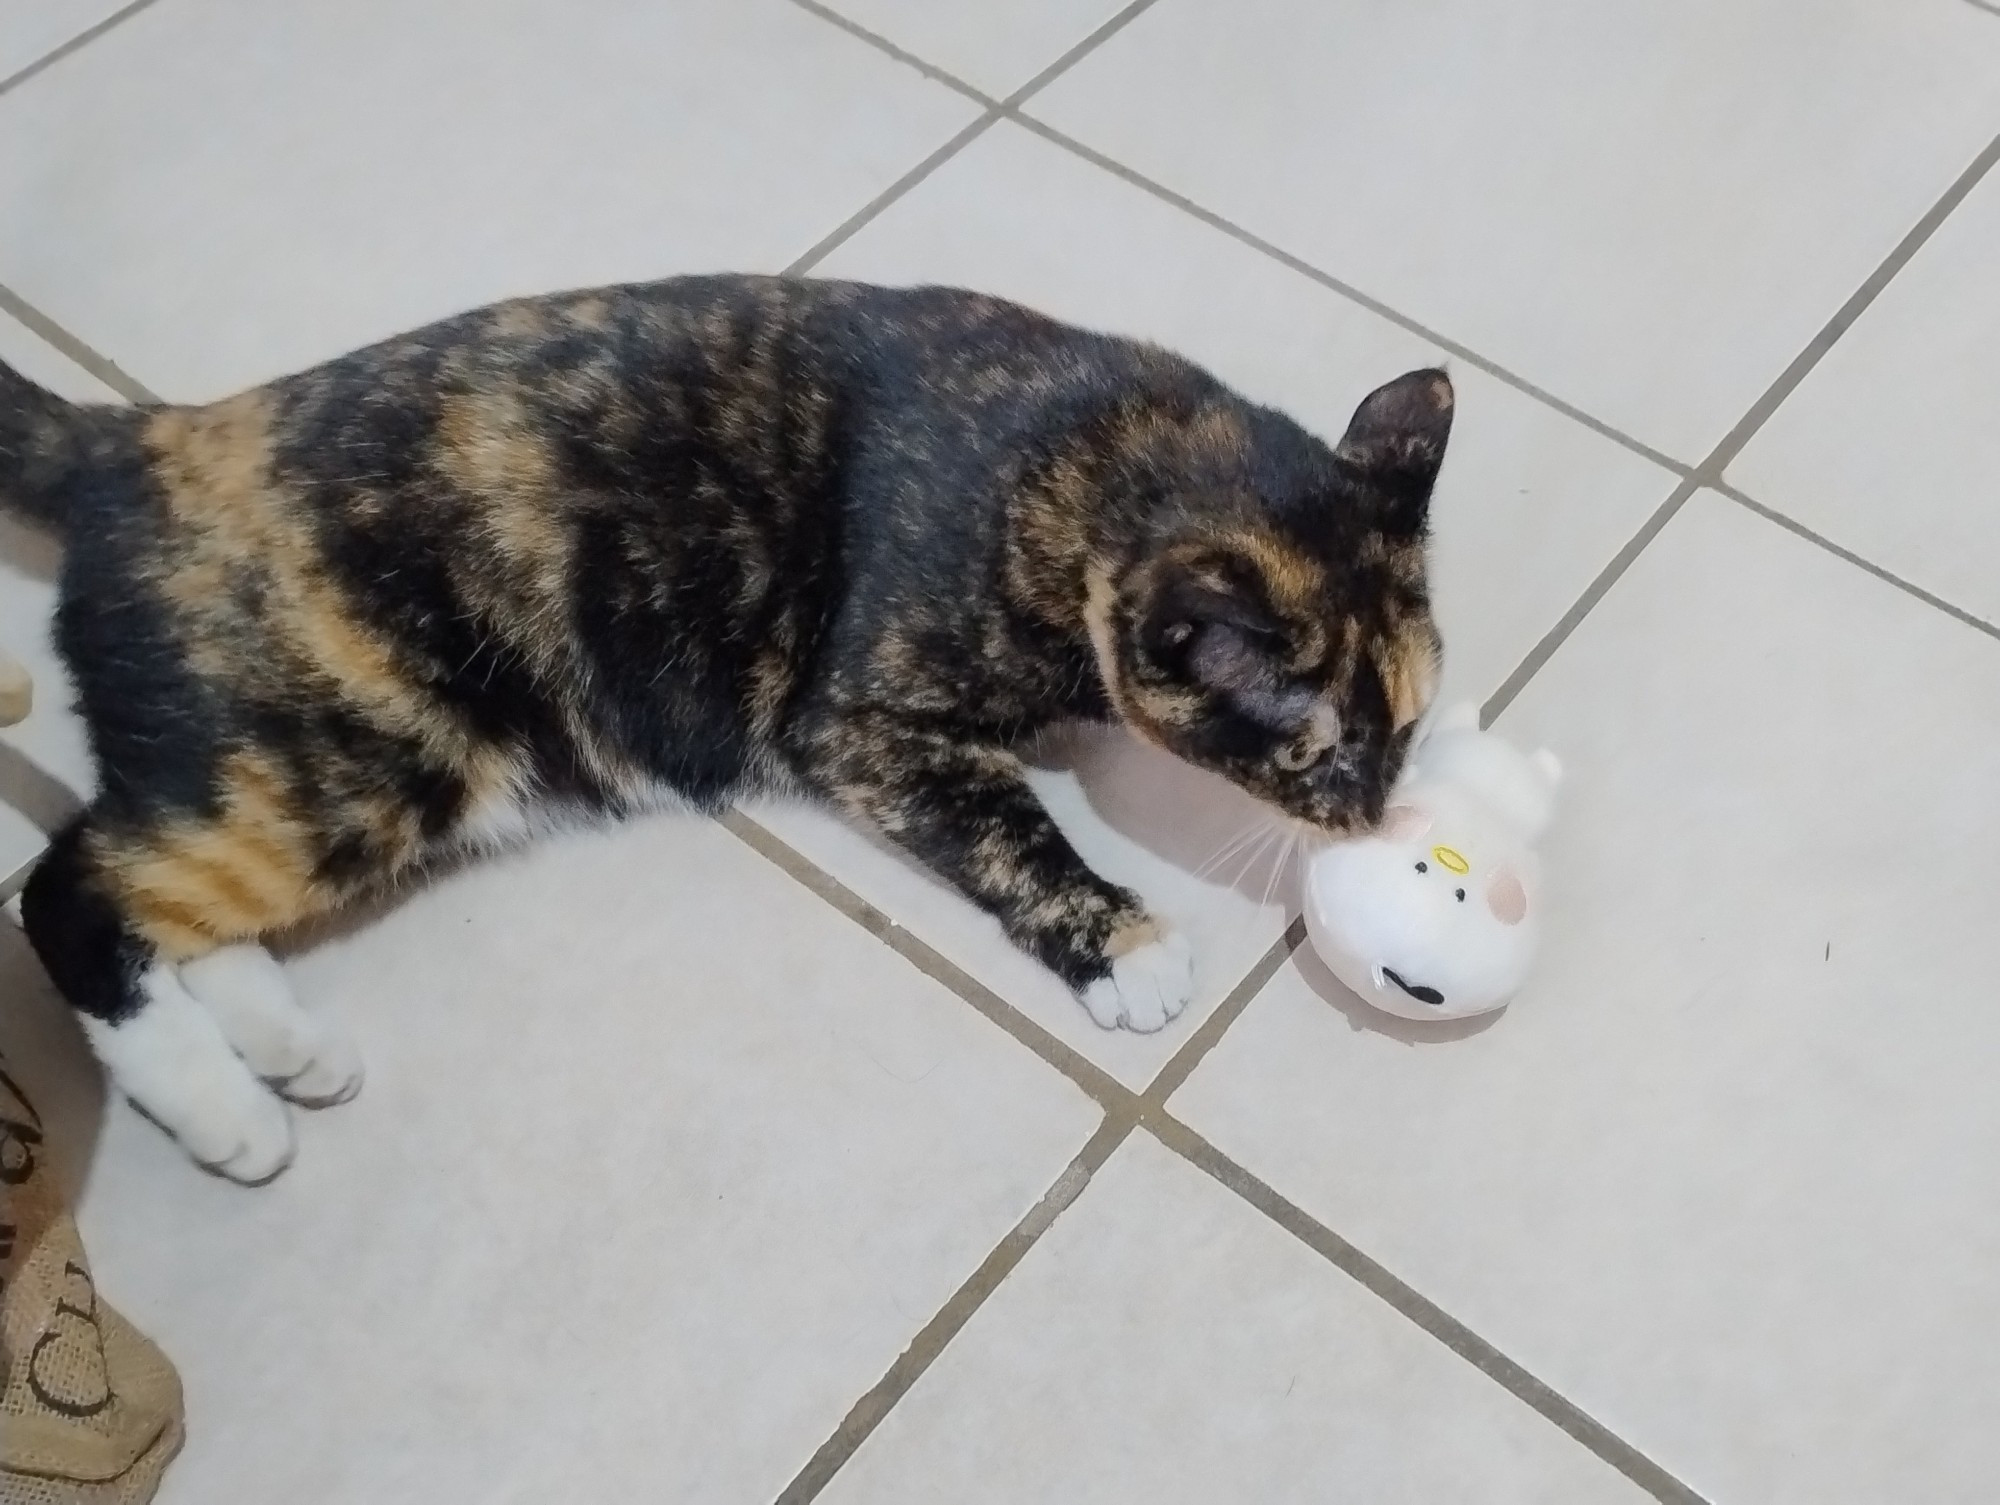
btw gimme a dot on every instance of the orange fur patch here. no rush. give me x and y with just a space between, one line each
1131 935
192 884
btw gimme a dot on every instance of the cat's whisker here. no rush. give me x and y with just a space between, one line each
1234 845
1281 869
1219 856
1260 855
1222 854
1251 860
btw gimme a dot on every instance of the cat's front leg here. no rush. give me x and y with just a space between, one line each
966 811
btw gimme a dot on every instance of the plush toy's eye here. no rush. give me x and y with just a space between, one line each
1461 896
1423 867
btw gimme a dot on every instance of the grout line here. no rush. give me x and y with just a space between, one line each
1112 1095
1069 59
1607 577
902 55
1871 288
1211 1030
852 225
1109 1093
1791 525
1352 294
1578 1424
75 44
1710 471
52 333
1124 1111
17 880
1574 1422
867 1413
1008 110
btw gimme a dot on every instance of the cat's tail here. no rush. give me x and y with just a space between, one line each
45 445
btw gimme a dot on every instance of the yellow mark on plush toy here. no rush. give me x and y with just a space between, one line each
1448 858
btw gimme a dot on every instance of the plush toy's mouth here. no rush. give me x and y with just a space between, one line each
1422 994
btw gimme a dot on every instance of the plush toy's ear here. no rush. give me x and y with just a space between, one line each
1404 822
1507 897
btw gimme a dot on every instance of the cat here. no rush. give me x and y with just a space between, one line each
583 553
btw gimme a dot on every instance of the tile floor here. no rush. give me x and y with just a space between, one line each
740 1162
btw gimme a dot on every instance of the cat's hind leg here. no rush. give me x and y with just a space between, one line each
117 918
244 988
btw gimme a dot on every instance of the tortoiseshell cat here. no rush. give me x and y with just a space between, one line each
682 539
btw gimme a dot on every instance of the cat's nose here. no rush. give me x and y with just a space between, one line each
1448 858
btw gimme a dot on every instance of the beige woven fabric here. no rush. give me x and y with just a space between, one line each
17 690
90 1411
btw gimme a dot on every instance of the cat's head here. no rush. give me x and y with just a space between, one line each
1278 631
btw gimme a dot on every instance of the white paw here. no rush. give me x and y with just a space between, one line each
171 1059
246 1137
1147 986
333 1075
244 989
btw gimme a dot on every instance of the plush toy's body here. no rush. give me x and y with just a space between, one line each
1437 914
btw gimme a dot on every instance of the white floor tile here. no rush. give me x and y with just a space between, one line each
1890 447
996 47
45 761
217 191
660 1163
1164 1343
1530 508
1647 208
31 29
1139 817
1723 1175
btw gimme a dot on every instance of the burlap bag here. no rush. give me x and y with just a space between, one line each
17 690
90 1412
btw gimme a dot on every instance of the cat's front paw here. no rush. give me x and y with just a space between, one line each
1147 986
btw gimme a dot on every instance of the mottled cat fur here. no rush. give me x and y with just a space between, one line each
686 538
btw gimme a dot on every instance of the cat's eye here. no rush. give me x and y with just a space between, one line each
1295 757
1178 634
1461 895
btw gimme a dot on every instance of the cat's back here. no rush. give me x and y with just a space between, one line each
760 389
480 462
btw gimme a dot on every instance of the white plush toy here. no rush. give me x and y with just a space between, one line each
1436 915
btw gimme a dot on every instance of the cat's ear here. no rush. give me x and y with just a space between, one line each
1396 441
